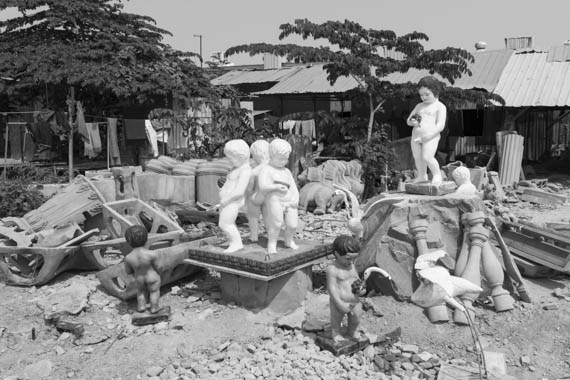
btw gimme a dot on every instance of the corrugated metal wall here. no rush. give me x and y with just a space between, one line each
533 126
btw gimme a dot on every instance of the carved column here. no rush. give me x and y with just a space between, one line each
463 255
418 227
478 235
493 272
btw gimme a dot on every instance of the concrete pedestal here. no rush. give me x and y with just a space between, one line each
280 295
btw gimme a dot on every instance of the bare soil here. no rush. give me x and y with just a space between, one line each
534 337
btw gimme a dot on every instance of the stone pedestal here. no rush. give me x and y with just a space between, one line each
427 188
344 347
280 295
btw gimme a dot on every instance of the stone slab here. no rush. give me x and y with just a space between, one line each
147 318
427 188
280 295
345 347
253 257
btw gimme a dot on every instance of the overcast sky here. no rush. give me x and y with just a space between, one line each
456 23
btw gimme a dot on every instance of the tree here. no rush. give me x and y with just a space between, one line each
360 54
94 47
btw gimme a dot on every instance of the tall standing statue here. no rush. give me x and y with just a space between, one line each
232 194
428 119
281 197
254 198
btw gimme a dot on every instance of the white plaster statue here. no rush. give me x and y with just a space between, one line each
428 119
462 178
232 194
279 189
254 198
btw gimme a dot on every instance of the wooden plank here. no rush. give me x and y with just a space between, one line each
559 226
495 362
534 250
528 229
553 198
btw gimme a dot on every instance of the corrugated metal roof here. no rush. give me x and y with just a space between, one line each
529 80
255 76
486 71
310 80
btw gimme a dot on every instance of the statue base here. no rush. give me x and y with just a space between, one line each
252 279
344 347
427 188
148 318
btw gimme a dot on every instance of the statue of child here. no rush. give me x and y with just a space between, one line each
254 198
232 194
143 264
279 189
462 177
343 284
428 119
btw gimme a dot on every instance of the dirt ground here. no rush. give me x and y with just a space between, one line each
533 337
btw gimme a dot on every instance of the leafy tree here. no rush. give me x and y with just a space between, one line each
94 47
359 54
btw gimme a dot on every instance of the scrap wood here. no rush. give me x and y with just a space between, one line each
542 197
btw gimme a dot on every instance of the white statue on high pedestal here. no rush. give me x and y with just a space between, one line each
232 194
281 196
428 119
254 198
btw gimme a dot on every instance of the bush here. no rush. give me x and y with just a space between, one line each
17 199
30 173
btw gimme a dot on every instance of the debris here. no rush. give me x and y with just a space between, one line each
550 306
293 320
69 300
39 370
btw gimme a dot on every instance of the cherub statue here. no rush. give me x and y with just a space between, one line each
143 264
232 194
462 177
344 287
281 196
254 198
428 119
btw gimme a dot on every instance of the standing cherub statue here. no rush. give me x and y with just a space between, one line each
232 194
428 119
254 198
281 196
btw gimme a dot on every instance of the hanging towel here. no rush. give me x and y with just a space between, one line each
298 124
81 127
289 125
152 137
114 152
94 137
308 128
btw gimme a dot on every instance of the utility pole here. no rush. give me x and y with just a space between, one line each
201 58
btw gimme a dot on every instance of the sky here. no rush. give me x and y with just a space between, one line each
456 23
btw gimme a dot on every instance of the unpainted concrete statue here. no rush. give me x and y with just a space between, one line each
428 119
233 193
462 177
142 263
281 196
344 287
254 197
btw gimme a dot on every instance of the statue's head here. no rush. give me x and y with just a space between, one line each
430 84
461 175
279 151
346 246
237 151
260 151
136 236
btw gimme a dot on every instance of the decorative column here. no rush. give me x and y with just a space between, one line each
463 255
478 235
494 275
418 227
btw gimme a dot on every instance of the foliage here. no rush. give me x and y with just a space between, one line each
96 47
17 199
360 54
30 173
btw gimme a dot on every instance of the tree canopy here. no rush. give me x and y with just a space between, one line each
360 53
92 45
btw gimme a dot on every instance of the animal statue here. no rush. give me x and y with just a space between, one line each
324 198
333 172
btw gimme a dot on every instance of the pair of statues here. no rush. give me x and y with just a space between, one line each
267 189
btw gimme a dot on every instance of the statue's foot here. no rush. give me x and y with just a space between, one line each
436 180
233 248
338 338
141 309
154 310
318 211
253 239
291 244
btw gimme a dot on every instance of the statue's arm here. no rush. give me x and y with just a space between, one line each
440 117
412 122
240 188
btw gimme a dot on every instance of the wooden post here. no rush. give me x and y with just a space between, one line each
71 109
6 151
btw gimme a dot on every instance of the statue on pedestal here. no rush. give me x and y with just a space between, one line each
462 177
428 119
232 194
344 287
281 197
254 197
